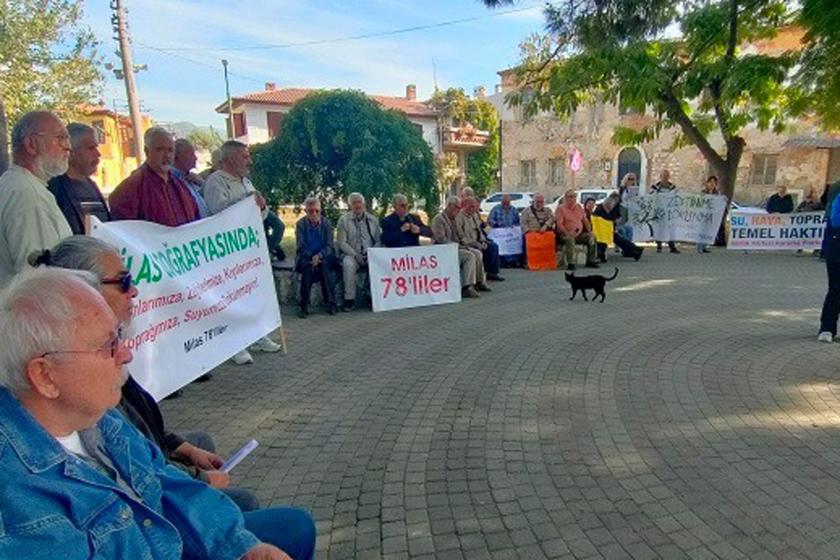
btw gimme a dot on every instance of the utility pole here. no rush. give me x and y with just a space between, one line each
230 130
121 27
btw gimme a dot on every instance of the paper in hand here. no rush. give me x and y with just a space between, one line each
237 457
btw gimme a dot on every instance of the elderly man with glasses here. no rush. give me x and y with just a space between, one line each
315 256
402 228
30 219
194 451
78 480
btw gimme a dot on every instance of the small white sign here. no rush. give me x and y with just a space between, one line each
509 240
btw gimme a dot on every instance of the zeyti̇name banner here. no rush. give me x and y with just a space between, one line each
676 216
206 291
414 276
776 232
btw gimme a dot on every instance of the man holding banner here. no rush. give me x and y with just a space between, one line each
224 188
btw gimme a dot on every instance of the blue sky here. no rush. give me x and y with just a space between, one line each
174 89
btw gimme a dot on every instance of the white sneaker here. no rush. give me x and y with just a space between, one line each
243 357
265 344
825 336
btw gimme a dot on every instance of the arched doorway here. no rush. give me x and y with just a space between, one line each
630 160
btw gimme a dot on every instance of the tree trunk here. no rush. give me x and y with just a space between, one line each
4 138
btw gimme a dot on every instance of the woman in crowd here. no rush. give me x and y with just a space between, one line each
710 187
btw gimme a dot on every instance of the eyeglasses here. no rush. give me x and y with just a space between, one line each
63 138
124 282
113 345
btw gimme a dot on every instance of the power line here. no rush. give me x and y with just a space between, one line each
351 37
196 62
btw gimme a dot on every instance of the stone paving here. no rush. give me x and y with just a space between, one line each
692 415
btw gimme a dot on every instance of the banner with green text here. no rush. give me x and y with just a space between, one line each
206 291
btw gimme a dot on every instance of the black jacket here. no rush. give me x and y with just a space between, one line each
780 204
393 237
62 189
141 410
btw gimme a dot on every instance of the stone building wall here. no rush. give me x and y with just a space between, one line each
544 138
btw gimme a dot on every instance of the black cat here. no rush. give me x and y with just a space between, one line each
592 282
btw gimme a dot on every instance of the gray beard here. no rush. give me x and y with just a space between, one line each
46 168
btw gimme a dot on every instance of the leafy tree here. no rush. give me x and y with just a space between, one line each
818 74
701 83
458 109
48 59
205 139
333 143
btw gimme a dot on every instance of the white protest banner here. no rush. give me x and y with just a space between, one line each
414 276
676 216
776 232
508 239
206 291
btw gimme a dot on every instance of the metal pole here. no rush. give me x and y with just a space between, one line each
229 102
128 76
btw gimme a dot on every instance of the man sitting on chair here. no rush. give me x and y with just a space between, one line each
358 231
574 229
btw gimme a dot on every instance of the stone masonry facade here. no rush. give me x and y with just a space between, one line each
801 158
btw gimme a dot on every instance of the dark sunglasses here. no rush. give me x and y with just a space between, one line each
124 282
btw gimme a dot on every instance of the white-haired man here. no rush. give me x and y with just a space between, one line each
30 219
445 230
472 229
402 228
226 186
152 192
76 193
230 184
358 231
81 482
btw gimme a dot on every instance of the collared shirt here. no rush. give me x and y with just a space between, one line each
145 195
221 189
570 220
58 505
501 217
355 235
30 220
195 191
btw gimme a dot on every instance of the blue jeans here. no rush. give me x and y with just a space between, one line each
291 530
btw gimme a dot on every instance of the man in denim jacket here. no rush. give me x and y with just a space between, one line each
78 480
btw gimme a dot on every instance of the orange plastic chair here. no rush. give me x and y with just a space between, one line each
540 248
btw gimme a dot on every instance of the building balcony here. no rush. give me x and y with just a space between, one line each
464 138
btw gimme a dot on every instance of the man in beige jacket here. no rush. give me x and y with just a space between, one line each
357 231
445 230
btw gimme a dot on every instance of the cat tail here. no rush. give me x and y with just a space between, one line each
614 275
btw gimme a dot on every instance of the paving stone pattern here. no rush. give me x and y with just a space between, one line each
692 415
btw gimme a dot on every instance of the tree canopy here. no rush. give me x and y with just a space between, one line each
48 58
458 109
207 139
683 61
333 143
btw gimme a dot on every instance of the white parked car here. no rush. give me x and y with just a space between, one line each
599 194
519 200
735 207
